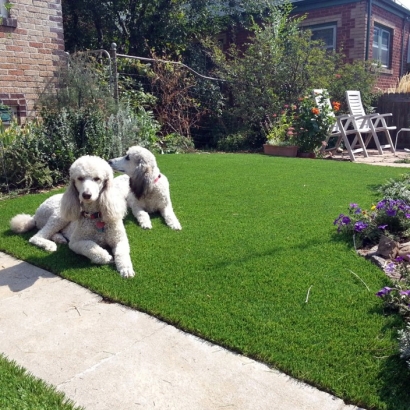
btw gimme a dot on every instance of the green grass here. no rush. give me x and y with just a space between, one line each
20 390
257 235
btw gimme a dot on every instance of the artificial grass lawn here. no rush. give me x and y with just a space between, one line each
257 239
20 390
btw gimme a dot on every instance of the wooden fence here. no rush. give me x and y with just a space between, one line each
399 105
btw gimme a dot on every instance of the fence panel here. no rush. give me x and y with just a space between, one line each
399 105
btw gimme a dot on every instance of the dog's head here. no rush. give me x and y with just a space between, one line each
141 166
89 175
91 181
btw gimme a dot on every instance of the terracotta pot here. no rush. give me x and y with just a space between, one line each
280 150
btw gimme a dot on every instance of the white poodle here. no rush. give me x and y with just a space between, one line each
149 189
88 216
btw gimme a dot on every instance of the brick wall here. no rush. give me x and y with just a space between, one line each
351 35
351 28
31 48
400 38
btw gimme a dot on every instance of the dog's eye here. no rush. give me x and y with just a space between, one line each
96 179
81 179
127 157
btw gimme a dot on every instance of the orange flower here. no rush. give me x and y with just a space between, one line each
315 111
336 105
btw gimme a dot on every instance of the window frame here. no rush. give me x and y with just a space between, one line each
324 26
378 47
3 10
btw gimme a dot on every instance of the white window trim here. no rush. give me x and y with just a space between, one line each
389 50
332 26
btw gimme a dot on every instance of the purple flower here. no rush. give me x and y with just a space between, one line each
391 212
390 268
341 220
359 226
399 259
382 226
405 292
383 292
353 205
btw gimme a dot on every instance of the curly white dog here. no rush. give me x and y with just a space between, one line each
149 188
88 216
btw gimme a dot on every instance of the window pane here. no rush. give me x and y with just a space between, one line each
3 11
376 34
326 34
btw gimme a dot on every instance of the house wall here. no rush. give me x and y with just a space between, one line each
351 22
31 48
400 27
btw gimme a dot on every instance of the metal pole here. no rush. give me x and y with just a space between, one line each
114 72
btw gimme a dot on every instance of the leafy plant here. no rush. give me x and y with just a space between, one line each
404 343
279 130
313 122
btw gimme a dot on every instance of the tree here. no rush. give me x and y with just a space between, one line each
137 26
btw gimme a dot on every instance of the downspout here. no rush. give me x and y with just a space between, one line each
369 17
402 47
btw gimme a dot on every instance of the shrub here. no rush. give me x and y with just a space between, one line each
313 122
397 189
24 162
404 343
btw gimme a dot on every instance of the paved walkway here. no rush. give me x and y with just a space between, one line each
387 159
106 356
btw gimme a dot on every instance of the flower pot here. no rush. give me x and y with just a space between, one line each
280 150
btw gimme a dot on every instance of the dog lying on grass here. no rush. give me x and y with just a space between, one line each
88 216
149 189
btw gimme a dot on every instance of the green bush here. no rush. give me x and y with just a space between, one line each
23 160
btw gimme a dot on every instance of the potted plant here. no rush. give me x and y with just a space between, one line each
313 123
279 133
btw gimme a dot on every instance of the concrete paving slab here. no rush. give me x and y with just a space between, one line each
107 356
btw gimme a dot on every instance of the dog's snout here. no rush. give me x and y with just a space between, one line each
86 196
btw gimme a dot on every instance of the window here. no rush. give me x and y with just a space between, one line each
381 45
326 33
3 11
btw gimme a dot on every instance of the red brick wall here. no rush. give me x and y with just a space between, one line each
351 35
31 47
389 78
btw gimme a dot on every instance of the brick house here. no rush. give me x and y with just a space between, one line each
31 47
344 26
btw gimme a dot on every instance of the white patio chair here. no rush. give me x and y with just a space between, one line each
344 126
369 124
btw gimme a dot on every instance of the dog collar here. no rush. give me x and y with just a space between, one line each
95 215
157 178
91 215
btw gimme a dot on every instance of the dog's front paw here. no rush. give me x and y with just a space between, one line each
127 273
176 226
146 225
43 243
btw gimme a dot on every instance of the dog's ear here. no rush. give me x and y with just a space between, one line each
70 203
140 180
111 203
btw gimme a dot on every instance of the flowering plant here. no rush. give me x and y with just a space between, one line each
397 297
314 122
279 129
389 217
